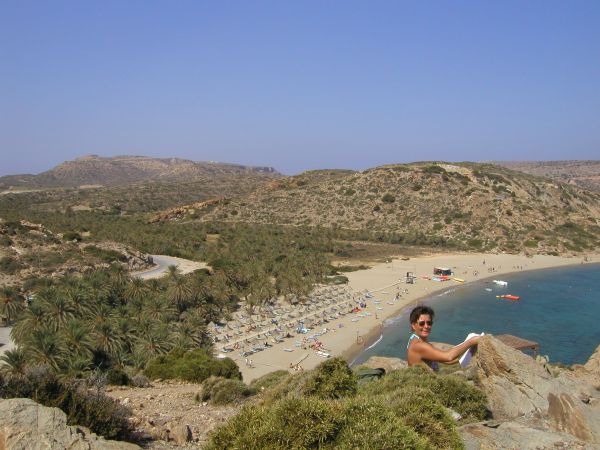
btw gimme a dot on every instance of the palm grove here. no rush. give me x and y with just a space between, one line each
106 320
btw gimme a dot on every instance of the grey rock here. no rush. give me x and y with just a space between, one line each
26 425
181 434
529 400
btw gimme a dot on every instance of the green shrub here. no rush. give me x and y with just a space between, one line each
331 379
223 391
104 255
434 168
372 424
421 410
117 377
196 365
72 236
352 268
292 423
9 265
269 380
388 198
451 391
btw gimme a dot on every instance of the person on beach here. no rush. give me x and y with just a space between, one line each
420 352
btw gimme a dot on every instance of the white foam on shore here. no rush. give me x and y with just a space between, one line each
379 339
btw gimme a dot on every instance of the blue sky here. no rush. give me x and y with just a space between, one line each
298 85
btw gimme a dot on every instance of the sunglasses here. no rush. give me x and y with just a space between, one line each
423 322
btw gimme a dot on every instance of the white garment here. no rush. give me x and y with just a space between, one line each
465 358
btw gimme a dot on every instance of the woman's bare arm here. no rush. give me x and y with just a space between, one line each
428 352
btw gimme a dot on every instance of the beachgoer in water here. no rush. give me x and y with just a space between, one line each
419 351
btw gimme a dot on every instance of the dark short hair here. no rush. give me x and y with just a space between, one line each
419 311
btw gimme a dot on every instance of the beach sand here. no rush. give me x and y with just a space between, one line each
350 335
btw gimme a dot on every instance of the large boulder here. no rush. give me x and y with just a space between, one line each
389 364
26 425
523 393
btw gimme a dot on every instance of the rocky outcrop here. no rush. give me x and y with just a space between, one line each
533 404
26 425
389 364
593 364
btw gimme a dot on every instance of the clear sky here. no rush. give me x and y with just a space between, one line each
298 85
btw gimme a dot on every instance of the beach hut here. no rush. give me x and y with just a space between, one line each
442 271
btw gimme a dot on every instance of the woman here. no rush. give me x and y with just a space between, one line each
420 351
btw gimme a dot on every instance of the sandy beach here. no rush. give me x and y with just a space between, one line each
349 335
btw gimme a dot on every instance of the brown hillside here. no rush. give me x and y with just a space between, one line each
120 170
585 174
28 249
471 206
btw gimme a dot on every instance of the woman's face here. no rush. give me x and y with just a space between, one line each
422 327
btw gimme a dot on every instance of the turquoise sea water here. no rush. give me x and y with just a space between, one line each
559 309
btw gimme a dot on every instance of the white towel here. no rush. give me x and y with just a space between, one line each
466 356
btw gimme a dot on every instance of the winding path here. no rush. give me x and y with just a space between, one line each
162 264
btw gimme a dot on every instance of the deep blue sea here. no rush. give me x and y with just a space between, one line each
559 309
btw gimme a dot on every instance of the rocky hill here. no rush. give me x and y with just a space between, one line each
467 205
585 174
28 249
119 170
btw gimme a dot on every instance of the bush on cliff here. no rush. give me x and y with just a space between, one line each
196 366
223 391
83 406
449 390
326 408
331 379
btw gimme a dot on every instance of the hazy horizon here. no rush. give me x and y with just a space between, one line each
345 85
270 165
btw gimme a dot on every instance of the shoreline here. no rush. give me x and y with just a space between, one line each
349 336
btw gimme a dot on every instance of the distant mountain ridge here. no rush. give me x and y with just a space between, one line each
585 174
468 205
121 170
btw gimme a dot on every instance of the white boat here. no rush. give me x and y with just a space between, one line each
488 289
501 283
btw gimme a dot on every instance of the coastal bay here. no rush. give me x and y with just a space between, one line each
351 335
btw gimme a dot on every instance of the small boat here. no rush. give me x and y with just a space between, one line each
460 280
509 297
501 283
488 289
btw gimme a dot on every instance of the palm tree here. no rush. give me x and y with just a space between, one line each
58 309
80 297
135 290
189 336
155 285
11 303
77 338
76 366
32 319
98 283
173 272
44 346
180 292
107 338
159 309
14 361
159 341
